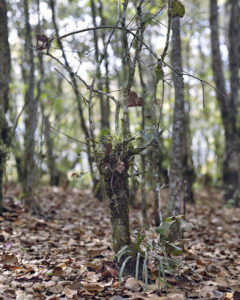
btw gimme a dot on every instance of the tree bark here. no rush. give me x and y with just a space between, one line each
5 60
106 64
188 167
228 103
29 169
114 169
176 163
51 158
143 155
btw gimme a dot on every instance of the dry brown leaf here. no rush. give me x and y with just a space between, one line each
132 284
176 296
9 259
69 293
109 272
92 266
93 286
133 99
57 271
23 296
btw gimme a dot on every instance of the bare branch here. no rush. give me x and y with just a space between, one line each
66 135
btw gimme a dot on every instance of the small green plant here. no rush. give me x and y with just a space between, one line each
161 252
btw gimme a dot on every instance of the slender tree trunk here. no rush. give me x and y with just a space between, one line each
176 163
51 158
29 169
106 64
143 155
5 61
228 103
134 184
188 168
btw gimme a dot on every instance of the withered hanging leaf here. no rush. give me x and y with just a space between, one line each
133 100
42 37
177 9
43 42
75 175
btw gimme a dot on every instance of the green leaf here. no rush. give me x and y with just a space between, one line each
159 74
122 269
163 229
137 265
169 219
135 44
140 238
173 250
177 9
145 271
122 251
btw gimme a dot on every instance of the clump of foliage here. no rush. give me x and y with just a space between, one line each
164 252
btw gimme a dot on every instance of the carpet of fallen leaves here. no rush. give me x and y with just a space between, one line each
67 254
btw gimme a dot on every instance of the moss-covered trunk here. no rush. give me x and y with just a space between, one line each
114 170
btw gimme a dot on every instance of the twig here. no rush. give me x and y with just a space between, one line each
168 33
17 120
72 85
203 94
68 136
96 90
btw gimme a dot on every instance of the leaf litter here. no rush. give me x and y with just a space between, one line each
67 253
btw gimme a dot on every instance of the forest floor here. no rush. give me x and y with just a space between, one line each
67 255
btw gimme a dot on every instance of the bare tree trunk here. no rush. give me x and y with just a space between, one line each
29 169
228 104
106 63
51 158
188 168
143 155
176 163
5 61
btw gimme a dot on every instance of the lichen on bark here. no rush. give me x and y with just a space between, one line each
114 168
